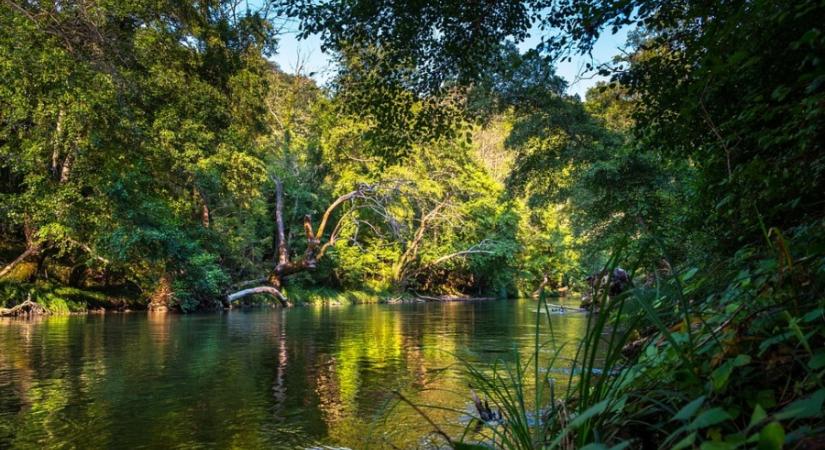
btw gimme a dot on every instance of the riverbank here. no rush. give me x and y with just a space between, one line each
42 298
54 299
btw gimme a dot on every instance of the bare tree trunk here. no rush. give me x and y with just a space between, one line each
282 249
470 251
285 266
204 213
67 168
400 267
58 136
259 290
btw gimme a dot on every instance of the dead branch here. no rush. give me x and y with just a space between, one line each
543 283
412 249
457 254
470 251
88 250
360 192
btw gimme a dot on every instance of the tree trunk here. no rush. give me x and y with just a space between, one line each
41 265
280 238
204 210
259 290
58 136
66 169
30 251
33 248
77 275
401 266
544 283
285 266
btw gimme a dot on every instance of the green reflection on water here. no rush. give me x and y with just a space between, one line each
252 379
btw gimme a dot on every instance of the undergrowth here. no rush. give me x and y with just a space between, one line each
59 299
323 295
726 358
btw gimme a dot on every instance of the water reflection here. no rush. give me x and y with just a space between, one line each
266 378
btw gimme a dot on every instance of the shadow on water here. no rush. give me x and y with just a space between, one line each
250 379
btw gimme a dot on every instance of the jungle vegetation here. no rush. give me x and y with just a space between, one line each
150 154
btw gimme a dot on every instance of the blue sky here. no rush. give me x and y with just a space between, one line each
307 55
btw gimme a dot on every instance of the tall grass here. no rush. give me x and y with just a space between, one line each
724 359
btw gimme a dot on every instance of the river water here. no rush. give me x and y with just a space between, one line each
263 378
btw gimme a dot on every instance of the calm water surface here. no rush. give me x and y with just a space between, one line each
266 378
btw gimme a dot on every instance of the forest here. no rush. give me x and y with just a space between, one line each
154 157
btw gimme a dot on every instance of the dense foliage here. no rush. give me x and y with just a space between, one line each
699 165
141 146
150 154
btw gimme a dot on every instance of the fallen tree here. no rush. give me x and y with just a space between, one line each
315 249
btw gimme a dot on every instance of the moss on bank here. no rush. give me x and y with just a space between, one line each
323 295
58 299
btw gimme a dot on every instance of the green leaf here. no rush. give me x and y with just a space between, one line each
767 343
594 410
766 398
686 442
817 361
709 418
772 437
690 409
817 314
804 408
758 415
741 360
689 274
714 445
597 446
594 447
719 377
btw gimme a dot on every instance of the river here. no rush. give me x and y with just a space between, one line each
261 378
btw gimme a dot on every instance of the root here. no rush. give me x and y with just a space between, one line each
25 309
